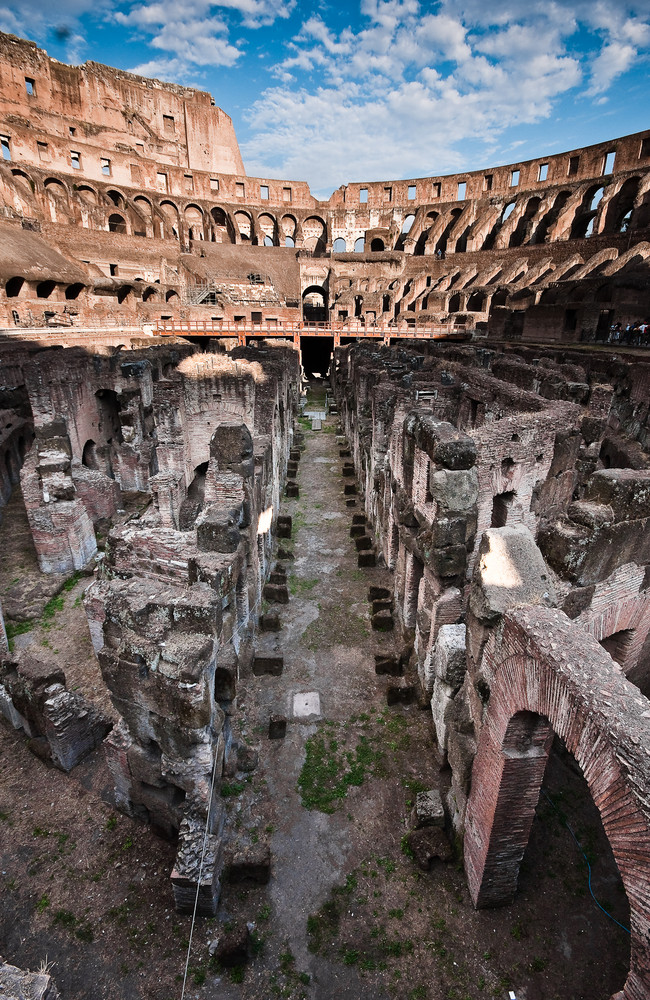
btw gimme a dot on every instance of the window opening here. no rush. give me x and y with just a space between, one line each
462 189
30 86
363 195
487 182
501 507
514 178
412 191
6 148
75 159
574 164
106 166
264 192
542 174
608 165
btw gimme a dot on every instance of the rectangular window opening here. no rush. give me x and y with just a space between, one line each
75 160
645 148
106 166
113 269
168 124
487 182
388 194
139 148
161 182
435 189
30 86
363 195
286 194
462 190
542 173
574 164
514 178
189 182
214 183
264 192
6 147
239 189
608 165
72 130
43 150
501 506
412 192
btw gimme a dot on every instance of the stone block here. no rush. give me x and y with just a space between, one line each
344 453
268 665
429 844
442 711
442 442
284 526
218 530
250 866
390 666
510 570
401 694
378 593
349 489
428 809
292 469
294 455
270 622
446 531
590 514
383 621
232 948
450 561
454 490
286 554
358 519
366 559
626 491
350 503
247 759
278 576
357 530
277 727
382 605
449 661
363 542
276 593
292 489
348 470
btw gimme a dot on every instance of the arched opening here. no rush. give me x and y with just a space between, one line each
116 223
359 245
499 298
424 235
501 507
267 227
13 287
385 303
194 222
123 293
116 198
87 194
170 211
376 245
523 228
194 500
358 306
314 304
550 218
171 295
148 294
89 455
314 232
44 289
619 212
441 245
454 303
73 291
339 246
244 225
476 302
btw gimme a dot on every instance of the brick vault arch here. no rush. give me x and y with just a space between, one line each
548 676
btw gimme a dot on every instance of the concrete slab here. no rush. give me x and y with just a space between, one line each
306 704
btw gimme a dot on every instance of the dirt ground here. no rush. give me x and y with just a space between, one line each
346 913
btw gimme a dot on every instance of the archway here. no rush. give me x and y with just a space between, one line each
314 304
116 223
538 688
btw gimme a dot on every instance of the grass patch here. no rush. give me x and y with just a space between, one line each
336 626
330 768
17 628
299 586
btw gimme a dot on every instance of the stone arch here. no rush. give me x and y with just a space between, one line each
87 194
222 227
339 245
45 288
523 228
454 303
314 304
621 206
116 197
193 218
73 291
360 245
244 226
148 294
170 211
288 228
377 245
538 687
268 228
89 455
453 218
55 187
476 302
116 223
314 233
171 295
14 286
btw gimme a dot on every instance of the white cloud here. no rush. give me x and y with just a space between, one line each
412 87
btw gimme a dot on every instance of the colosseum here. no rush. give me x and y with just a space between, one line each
324 564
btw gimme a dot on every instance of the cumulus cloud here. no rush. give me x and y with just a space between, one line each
409 86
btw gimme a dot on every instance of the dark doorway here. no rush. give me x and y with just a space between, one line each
316 355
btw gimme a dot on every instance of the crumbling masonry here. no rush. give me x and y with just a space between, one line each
504 468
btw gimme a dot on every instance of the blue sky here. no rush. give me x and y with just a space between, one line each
377 89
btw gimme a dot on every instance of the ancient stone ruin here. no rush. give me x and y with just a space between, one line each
483 373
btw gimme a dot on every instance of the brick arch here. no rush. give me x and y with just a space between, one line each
546 676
